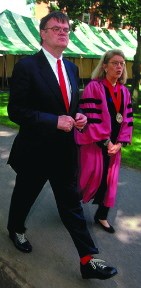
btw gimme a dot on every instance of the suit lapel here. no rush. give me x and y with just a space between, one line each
49 77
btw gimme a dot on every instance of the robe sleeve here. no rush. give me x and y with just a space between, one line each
94 105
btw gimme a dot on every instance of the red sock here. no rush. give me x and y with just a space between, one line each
84 260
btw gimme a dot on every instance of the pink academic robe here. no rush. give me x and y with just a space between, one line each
90 154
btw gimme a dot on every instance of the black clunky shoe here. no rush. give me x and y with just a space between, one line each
109 229
20 242
96 268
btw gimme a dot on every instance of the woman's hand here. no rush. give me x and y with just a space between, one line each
113 148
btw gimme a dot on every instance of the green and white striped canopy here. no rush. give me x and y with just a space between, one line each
94 42
19 35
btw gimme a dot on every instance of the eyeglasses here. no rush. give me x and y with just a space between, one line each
116 63
57 29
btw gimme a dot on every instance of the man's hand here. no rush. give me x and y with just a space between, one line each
65 123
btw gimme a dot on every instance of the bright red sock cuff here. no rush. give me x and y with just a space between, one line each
84 260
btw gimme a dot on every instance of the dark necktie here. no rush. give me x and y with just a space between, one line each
62 84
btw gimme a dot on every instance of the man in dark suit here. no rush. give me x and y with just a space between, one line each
44 148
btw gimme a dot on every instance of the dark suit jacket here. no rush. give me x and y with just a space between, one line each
35 103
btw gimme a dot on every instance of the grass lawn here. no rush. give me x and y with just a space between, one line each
131 155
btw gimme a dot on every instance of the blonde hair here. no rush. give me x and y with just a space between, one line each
99 72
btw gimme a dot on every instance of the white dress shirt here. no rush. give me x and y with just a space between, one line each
53 63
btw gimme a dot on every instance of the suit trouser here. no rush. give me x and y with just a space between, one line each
29 184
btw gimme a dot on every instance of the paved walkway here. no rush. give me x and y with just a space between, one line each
54 262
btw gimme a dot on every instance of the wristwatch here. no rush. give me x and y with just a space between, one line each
107 142
123 144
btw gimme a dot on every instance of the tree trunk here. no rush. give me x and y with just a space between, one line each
136 73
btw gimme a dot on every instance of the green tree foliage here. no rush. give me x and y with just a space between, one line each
36 1
75 8
127 12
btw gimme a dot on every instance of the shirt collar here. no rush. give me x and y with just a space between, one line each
49 56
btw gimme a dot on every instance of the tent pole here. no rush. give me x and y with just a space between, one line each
2 80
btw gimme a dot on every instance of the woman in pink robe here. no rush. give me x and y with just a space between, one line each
107 104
